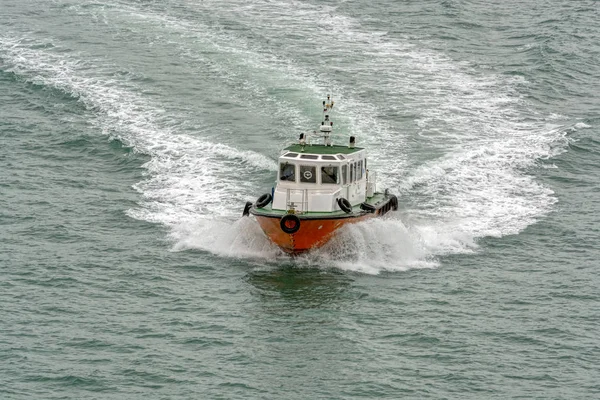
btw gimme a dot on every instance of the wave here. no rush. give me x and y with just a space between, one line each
463 169
181 166
471 173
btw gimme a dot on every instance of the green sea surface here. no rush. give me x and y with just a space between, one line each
133 132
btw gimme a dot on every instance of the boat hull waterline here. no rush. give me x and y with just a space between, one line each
313 231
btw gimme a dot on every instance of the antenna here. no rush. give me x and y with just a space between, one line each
326 124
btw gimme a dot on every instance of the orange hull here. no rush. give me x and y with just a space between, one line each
313 233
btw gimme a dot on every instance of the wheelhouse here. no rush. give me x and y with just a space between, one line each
311 178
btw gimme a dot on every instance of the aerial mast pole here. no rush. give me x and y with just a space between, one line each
326 124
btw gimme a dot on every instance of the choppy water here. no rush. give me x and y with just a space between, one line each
132 133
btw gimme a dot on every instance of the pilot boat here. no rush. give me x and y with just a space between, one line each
319 189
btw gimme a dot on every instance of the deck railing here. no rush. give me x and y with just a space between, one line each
297 199
298 208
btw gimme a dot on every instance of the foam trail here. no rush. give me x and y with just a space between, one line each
181 168
478 139
242 238
374 246
249 65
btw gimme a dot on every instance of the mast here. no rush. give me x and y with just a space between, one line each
326 124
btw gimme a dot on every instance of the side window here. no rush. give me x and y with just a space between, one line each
360 170
329 175
351 172
287 172
308 174
344 174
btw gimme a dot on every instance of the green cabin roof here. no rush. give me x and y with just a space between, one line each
322 149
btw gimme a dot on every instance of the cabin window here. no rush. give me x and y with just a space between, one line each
291 155
329 175
360 170
287 172
341 157
344 174
309 156
328 157
308 174
351 172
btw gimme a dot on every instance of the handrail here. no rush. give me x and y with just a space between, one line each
290 205
302 207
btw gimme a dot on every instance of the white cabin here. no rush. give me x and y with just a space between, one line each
311 178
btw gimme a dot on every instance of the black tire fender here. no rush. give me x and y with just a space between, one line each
247 209
289 223
368 207
344 205
394 202
263 200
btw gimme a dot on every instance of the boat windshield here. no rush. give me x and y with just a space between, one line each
287 172
329 175
307 174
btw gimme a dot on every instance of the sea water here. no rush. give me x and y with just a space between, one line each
133 132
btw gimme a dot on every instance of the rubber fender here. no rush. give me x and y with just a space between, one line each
344 205
368 207
247 209
263 200
394 202
289 223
